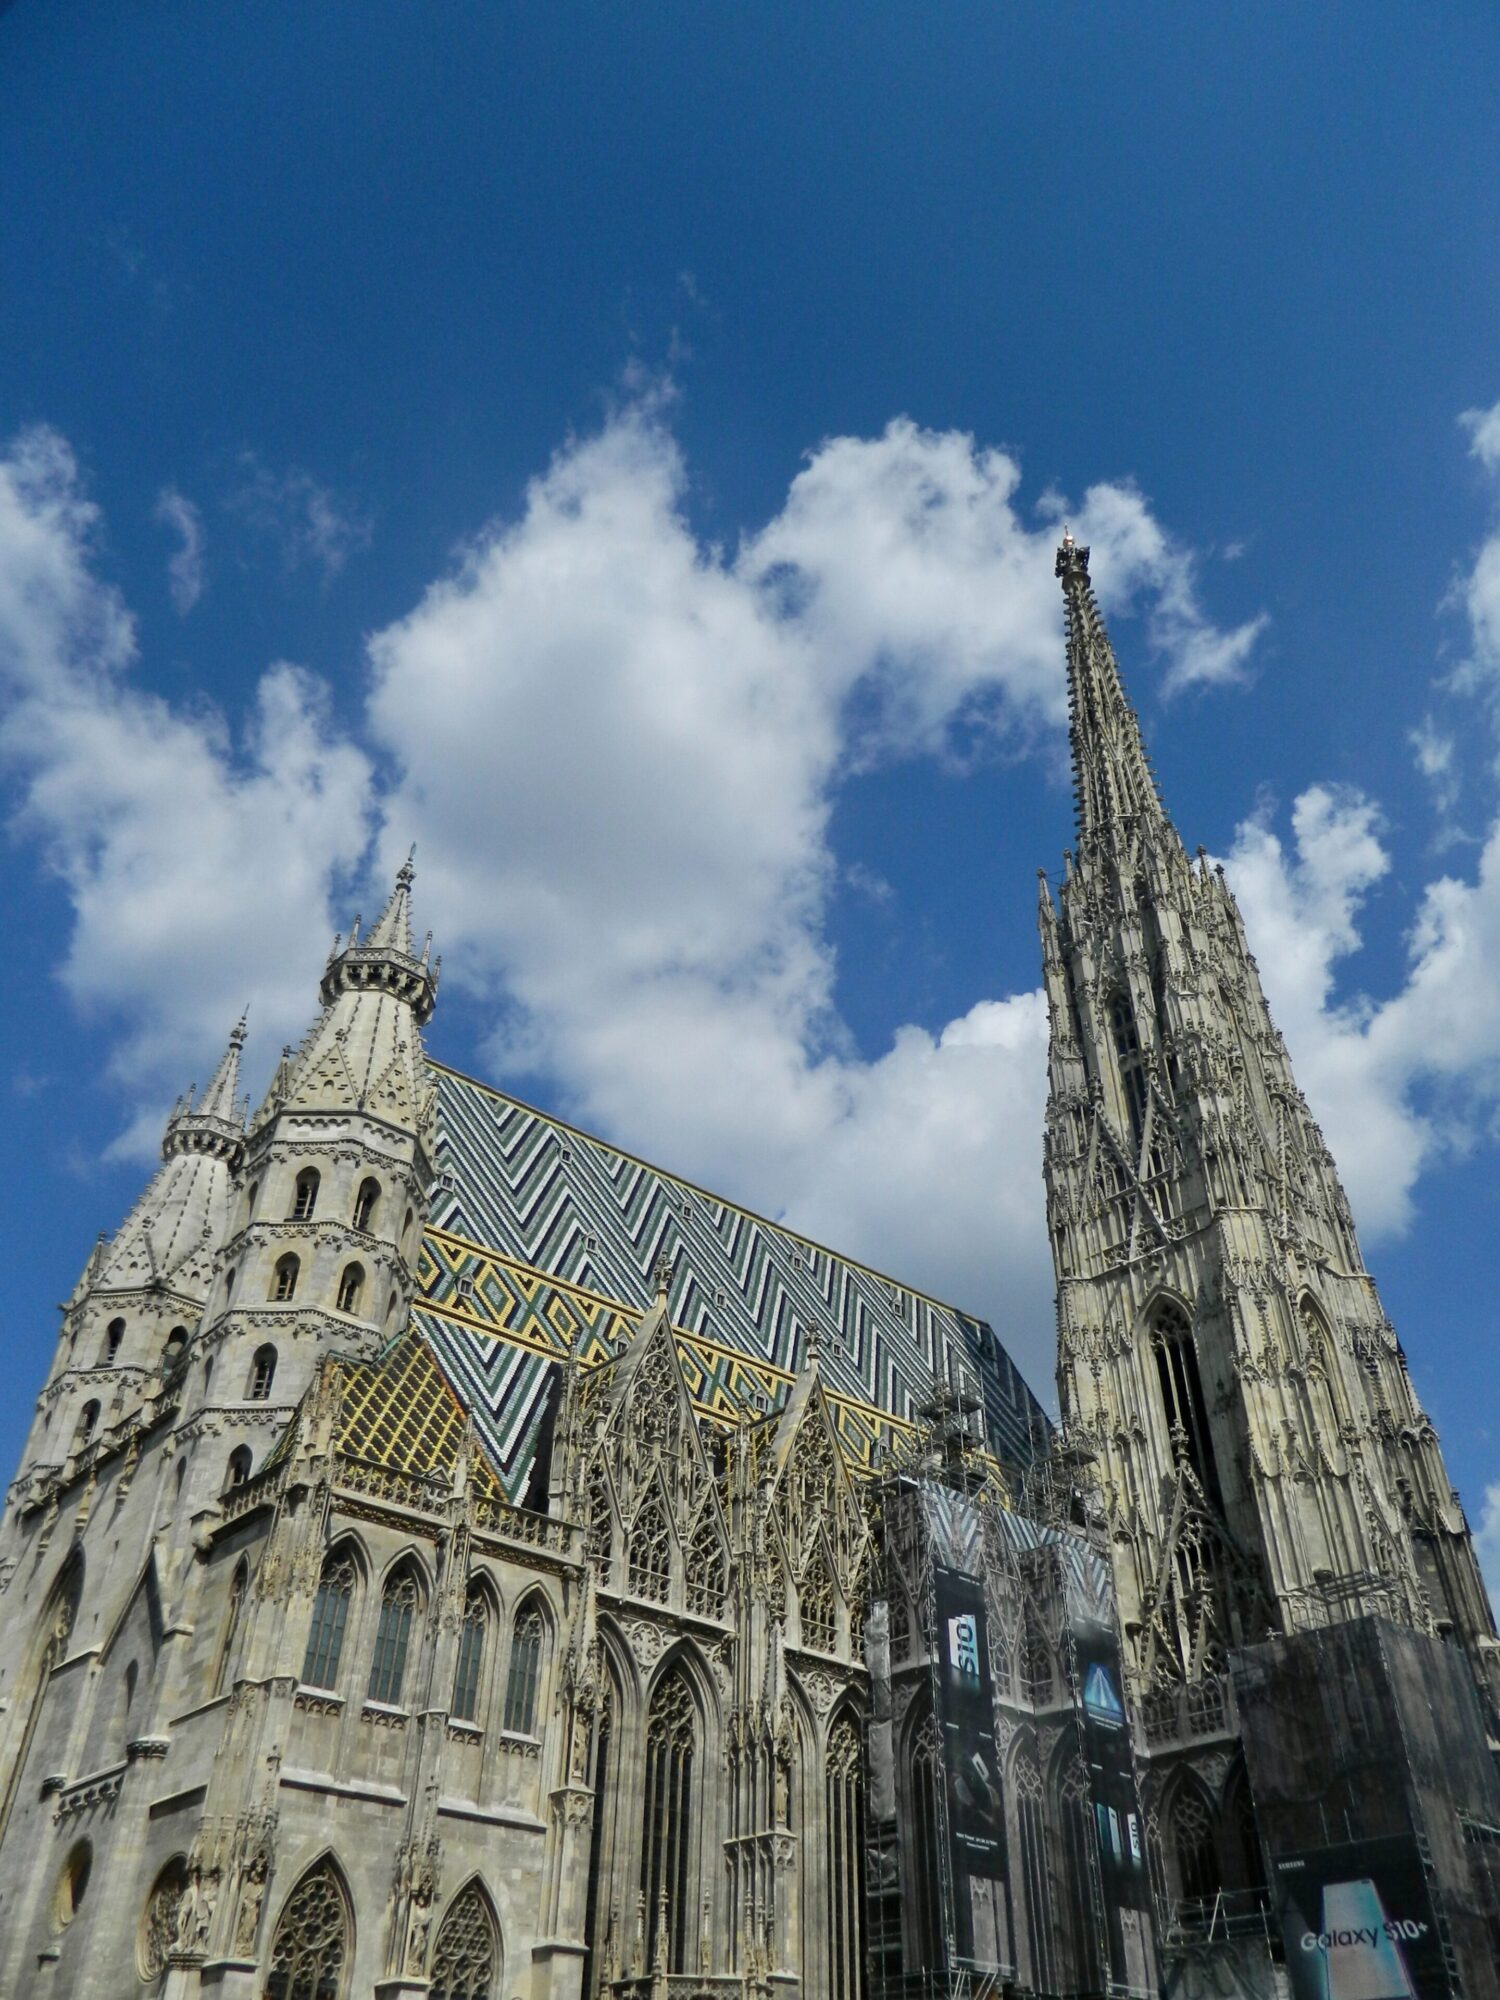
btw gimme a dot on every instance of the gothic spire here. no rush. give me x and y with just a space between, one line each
1114 788
215 1122
386 960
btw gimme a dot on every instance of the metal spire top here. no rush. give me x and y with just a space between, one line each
1113 784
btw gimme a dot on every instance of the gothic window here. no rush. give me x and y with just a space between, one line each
262 1374
305 1195
398 1606
311 1948
351 1284
72 1885
594 1968
239 1467
88 1417
239 1585
471 1655
1182 1398
325 1640
284 1281
926 1864
366 1202
671 1742
815 1599
467 1949
1193 1850
1076 1816
250 1197
844 1812
175 1348
601 1520
705 1568
1132 1063
650 1551
525 1673
50 1647
1242 1837
158 1929
1032 1834
114 1333
229 1278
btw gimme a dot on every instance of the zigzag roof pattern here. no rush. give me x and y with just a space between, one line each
543 1238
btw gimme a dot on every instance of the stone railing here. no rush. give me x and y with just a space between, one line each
1188 1713
494 1516
385 1482
1335 1600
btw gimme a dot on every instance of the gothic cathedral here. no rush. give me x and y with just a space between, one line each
452 1557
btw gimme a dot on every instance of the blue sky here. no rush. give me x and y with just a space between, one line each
620 449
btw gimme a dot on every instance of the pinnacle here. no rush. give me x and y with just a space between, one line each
1115 790
392 929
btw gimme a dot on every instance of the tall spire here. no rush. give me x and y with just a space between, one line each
215 1122
385 960
1112 779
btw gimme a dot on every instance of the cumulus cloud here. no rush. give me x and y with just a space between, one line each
1487 1541
305 521
197 856
185 564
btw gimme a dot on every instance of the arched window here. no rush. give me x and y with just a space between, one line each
114 1333
72 1884
239 1468
525 1673
650 1553
923 1890
351 1284
250 1195
49 1649
595 1890
816 1600
671 1742
366 1203
158 1932
174 1350
471 1641
325 1639
88 1418
229 1277
844 1814
284 1280
312 1947
239 1586
1182 1394
1193 1849
262 1374
1132 1063
1035 1875
706 1568
467 1953
397 1609
305 1195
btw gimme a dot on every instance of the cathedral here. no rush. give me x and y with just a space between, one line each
452 1557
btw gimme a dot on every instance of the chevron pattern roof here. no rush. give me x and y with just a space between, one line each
541 1236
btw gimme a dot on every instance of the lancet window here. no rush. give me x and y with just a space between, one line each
650 1551
1132 1063
351 1285
671 1744
239 1585
398 1607
706 1569
1183 1402
844 1813
305 1195
284 1279
471 1641
325 1639
926 1875
467 1951
366 1203
522 1680
816 1601
1193 1846
311 1950
262 1374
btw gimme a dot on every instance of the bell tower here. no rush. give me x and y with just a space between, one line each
1224 1363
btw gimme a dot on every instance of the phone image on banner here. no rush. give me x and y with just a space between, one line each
1370 1965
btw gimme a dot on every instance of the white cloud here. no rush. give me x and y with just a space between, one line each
197 858
185 564
305 520
1487 1541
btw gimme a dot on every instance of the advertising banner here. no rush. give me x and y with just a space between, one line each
1357 1923
966 1718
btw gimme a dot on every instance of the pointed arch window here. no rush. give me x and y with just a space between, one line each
926 1872
262 1374
175 1348
706 1568
310 1952
1194 1851
651 1551
305 1195
1128 1055
471 1641
671 1745
1182 1397
844 1815
524 1676
398 1607
351 1286
284 1280
88 1418
238 1469
467 1952
114 1333
815 1598
239 1586
325 1639
158 1932
366 1204
1035 1873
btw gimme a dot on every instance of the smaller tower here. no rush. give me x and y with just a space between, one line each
140 1296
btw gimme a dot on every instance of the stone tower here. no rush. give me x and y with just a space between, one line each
1225 1371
